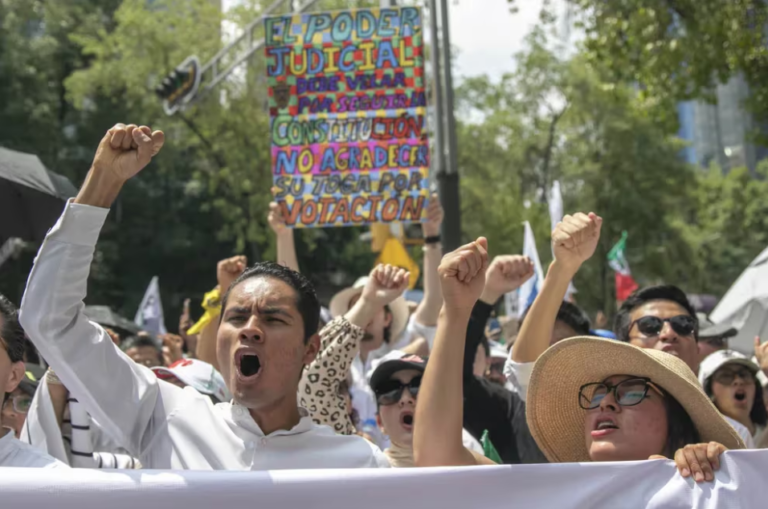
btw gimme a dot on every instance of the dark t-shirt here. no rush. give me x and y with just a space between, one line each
489 406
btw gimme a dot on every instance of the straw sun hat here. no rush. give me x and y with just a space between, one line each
555 418
398 307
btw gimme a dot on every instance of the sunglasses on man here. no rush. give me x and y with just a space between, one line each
390 392
651 326
628 392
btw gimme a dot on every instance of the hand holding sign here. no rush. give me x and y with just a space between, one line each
435 214
276 220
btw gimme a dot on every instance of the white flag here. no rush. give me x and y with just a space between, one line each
150 314
555 216
527 293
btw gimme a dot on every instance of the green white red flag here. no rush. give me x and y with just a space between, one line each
617 260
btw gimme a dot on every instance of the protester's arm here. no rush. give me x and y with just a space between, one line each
574 241
226 272
120 394
286 246
339 343
438 438
429 307
505 274
185 323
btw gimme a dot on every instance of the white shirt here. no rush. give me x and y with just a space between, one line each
162 425
519 376
15 453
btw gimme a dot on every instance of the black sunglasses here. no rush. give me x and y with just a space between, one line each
390 392
727 376
684 325
628 392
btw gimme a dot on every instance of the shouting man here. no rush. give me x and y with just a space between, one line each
267 334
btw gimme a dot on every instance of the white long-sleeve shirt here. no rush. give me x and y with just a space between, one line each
162 425
15 453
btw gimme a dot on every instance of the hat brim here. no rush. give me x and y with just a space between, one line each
718 331
556 420
388 368
399 308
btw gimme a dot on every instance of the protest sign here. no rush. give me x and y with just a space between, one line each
347 115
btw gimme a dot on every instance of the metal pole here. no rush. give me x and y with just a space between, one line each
448 179
438 139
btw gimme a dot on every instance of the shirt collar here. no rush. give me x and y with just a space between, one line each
242 417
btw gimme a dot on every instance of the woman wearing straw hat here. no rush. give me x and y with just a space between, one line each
589 399
594 399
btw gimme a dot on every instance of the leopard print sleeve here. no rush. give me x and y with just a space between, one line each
319 386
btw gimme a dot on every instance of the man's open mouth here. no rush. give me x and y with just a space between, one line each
247 363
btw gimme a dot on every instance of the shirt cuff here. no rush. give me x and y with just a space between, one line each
519 375
79 224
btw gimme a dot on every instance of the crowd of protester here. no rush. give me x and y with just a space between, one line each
268 379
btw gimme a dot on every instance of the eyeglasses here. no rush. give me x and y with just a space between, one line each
727 376
628 392
20 403
683 325
390 392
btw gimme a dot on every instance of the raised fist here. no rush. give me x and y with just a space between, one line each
276 220
435 214
228 270
506 274
575 238
462 275
385 284
126 149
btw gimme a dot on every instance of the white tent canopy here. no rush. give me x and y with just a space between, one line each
745 305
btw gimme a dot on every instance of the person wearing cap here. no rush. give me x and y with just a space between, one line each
393 327
592 399
396 381
198 375
13 452
713 337
333 365
730 380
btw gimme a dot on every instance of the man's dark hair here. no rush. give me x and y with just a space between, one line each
571 315
10 330
306 298
662 292
758 414
139 341
680 428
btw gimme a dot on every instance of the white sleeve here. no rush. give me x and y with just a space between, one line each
119 393
518 375
412 331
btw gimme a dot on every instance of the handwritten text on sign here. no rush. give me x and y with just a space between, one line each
347 110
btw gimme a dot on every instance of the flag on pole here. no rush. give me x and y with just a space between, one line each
530 289
150 313
617 260
555 216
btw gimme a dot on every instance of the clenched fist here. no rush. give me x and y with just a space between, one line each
506 274
276 220
126 149
385 284
575 239
228 270
462 275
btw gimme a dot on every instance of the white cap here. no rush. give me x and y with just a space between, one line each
199 375
720 358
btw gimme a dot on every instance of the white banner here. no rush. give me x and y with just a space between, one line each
740 482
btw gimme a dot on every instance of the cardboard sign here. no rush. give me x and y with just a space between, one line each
348 116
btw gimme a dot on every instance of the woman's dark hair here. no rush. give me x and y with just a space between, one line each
758 414
10 330
306 298
680 428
